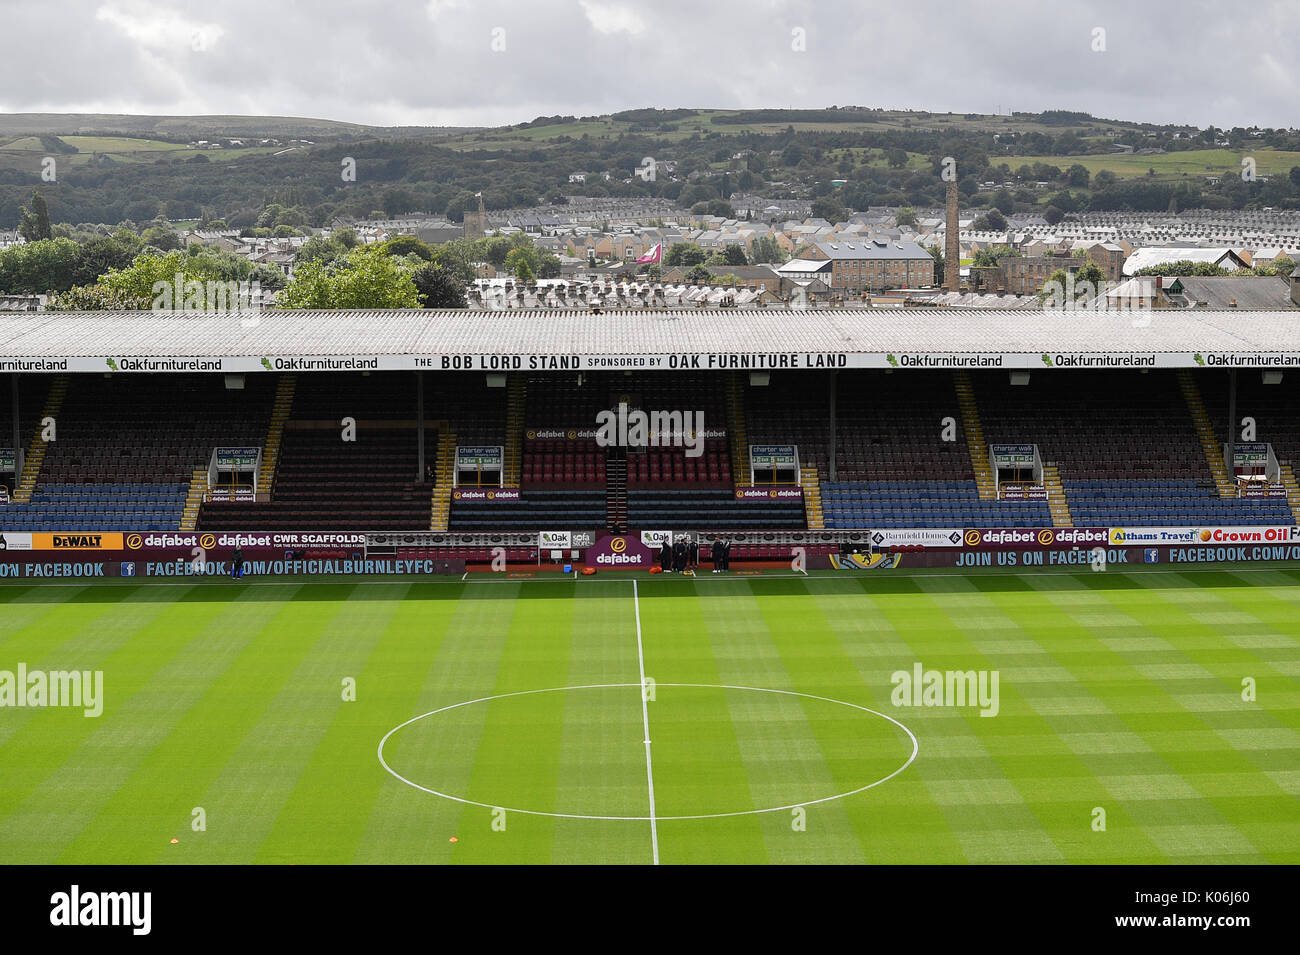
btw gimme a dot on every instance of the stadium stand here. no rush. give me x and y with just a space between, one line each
1131 449
544 509
326 483
699 509
893 468
1125 444
127 446
32 393
893 504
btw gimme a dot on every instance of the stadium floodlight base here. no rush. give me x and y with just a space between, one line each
916 748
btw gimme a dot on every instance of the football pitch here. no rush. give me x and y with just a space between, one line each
1115 717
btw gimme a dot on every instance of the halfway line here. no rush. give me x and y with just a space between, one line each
645 725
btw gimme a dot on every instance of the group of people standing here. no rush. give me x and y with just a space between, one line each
684 554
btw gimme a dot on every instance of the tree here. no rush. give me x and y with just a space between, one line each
991 221
521 261
897 158
685 253
96 298
548 265
1283 265
35 222
766 250
319 249
733 254
524 273
1053 215
161 237
496 250
936 253
366 278
38 267
407 245
1184 267
1104 179
438 287
1077 176
103 254
700 274
988 258
829 209
458 257
1091 273
906 216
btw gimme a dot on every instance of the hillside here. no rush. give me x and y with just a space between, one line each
170 127
116 168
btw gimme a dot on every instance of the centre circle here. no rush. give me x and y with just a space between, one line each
578 752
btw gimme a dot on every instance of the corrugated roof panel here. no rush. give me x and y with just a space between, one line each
574 331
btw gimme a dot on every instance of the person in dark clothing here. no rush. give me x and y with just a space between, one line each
237 570
693 553
679 556
726 555
666 558
717 554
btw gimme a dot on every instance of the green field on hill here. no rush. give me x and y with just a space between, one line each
505 720
1192 162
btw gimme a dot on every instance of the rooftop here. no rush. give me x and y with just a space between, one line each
546 339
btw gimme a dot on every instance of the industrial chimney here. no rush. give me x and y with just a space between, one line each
952 243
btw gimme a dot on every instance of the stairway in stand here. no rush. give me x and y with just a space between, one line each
1205 431
194 499
974 430
440 506
1292 488
35 455
812 498
737 433
616 489
280 409
1056 500
516 394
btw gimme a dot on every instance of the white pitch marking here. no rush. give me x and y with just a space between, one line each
285 580
916 748
645 723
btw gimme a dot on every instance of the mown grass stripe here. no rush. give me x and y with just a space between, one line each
329 809
447 654
1183 744
166 674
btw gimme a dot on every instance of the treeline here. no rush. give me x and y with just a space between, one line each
395 176
833 114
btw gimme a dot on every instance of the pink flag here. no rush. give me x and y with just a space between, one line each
654 255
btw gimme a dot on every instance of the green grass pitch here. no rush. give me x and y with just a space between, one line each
1119 692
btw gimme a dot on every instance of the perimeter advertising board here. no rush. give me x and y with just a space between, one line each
619 552
769 493
81 554
1037 538
486 494
928 537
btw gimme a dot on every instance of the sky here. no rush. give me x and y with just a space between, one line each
494 62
